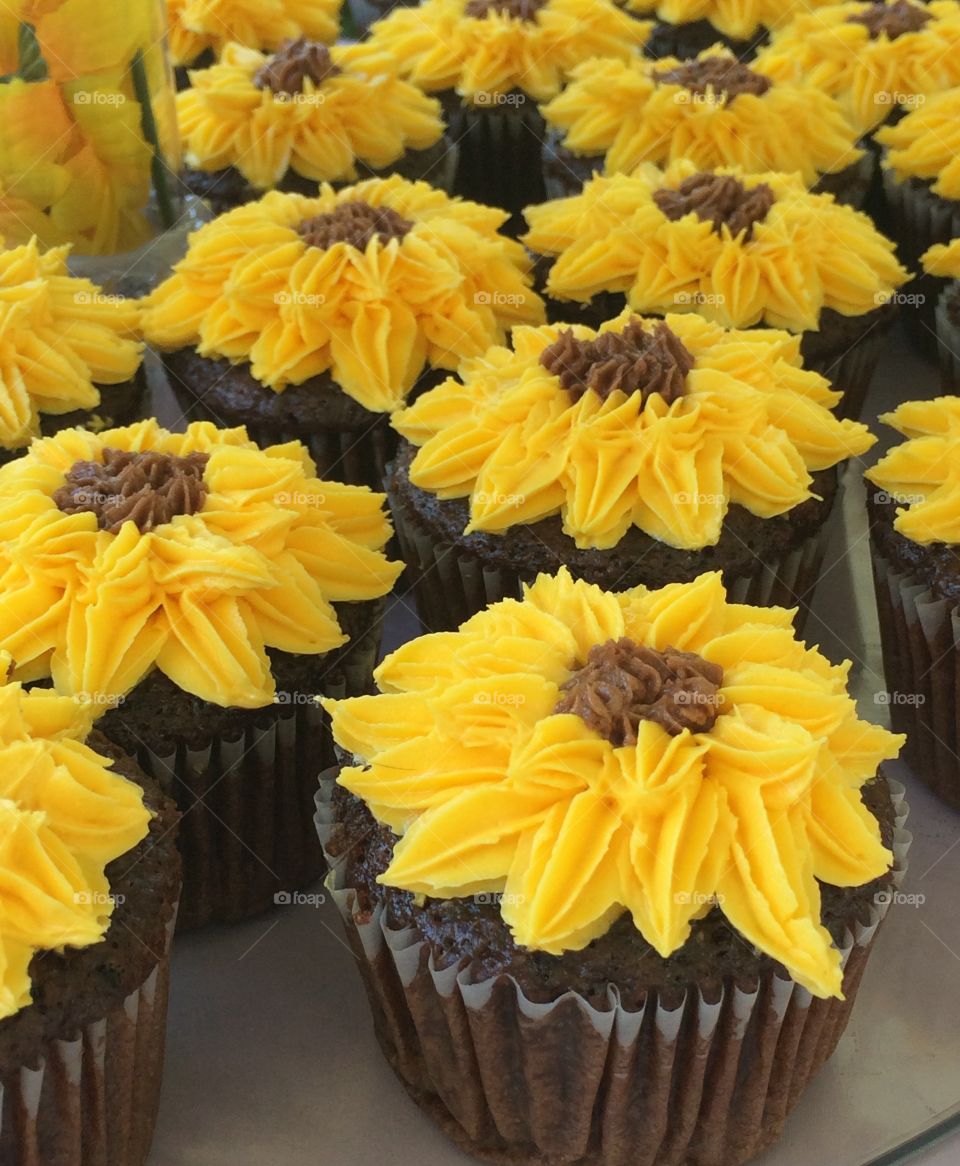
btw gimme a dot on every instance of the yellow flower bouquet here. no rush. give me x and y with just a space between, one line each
87 124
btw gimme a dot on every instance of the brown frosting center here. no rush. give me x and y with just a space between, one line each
892 19
624 683
724 75
633 361
294 61
518 9
354 223
717 198
148 488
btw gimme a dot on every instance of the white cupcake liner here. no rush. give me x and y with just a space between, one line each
710 1081
92 1100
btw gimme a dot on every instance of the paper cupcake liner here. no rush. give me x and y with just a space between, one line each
692 37
437 164
920 637
850 367
92 1100
918 219
363 13
246 835
513 1081
451 584
499 144
948 339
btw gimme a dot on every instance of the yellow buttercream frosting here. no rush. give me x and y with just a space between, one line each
809 252
198 25
440 47
943 260
924 471
463 755
870 77
926 144
622 110
251 289
750 426
364 112
60 337
737 19
200 597
63 818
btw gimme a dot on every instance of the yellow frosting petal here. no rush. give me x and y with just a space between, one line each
251 290
922 472
364 112
492 790
750 428
621 110
200 597
63 818
60 338
737 19
808 254
440 47
830 52
943 259
197 25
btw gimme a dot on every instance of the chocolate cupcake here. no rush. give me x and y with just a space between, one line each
70 353
875 58
642 454
914 503
685 28
199 592
199 30
315 318
303 116
714 111
941 265
742 249
921 181
617 905
91 877
490 62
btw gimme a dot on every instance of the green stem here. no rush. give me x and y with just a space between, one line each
148 123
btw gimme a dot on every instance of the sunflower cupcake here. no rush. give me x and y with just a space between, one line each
302 116
713 110
914 503
90 877
685 28
199 592
741 249
921 181
941 265
612 866
199 30
315 318
69 354
490 62
875 58
640 454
